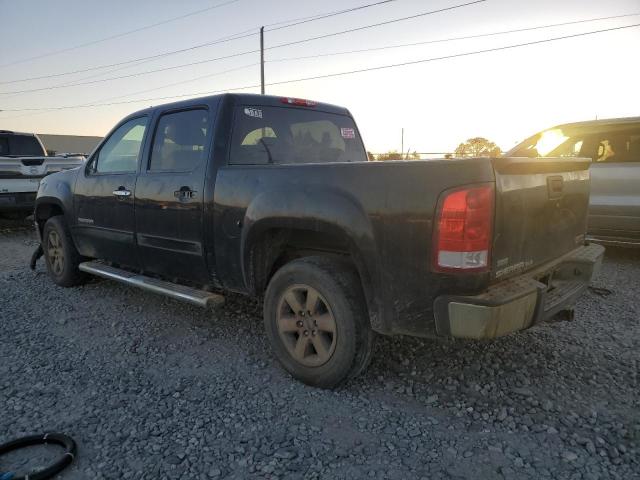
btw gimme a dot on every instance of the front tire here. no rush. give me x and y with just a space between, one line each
60 253
316 320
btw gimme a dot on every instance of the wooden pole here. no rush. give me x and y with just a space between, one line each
262 60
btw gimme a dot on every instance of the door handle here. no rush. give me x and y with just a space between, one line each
184 194
122 192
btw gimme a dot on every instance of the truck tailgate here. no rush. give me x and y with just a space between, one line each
541 211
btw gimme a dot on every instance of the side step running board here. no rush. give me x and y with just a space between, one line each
179 292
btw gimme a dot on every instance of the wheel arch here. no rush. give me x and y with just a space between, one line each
329 224
47 207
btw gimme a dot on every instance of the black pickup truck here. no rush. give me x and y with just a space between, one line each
274 198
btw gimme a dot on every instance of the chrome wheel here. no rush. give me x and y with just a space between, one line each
55 252
306 325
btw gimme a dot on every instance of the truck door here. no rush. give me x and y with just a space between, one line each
104 196
169 196
614 209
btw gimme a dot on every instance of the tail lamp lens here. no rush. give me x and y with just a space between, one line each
464 227
300 102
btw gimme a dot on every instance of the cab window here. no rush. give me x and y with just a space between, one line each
179 141
618 147
121 151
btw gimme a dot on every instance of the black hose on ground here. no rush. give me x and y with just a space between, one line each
34 258
48 438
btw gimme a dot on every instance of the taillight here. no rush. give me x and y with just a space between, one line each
301 102
463 230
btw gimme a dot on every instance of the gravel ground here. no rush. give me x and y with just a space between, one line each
154 389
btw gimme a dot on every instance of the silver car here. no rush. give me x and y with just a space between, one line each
614 147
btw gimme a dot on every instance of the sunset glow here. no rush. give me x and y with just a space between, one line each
504 95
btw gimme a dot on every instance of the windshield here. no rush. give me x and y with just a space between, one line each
553 142
602 144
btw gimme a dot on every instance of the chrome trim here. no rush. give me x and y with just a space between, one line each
172 290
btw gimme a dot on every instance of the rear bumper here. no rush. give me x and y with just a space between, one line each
22 201
518 303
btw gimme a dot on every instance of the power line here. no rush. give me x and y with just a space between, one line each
395 46
118 35
137 74
328 15
135 60
182 82
388 47
451 39
338 74
373 25
152 89
292 22
443 40
229 38
457 55
281 45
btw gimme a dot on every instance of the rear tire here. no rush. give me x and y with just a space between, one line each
60 253
317 322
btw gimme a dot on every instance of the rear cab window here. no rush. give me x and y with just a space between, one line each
284 135
17 145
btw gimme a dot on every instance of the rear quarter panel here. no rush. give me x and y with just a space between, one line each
385 208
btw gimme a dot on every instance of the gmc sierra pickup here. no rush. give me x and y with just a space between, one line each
23 163
274 197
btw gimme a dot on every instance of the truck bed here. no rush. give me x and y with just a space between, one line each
388 209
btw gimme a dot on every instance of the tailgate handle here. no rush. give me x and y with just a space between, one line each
555 186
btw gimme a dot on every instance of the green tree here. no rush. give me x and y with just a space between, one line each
391 155
395 155
477 147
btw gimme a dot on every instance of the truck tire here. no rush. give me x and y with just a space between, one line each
316 320
60 253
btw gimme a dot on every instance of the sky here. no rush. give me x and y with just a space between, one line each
505 95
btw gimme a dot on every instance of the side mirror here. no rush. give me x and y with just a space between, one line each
92 163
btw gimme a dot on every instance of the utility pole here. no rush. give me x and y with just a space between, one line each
402 142
262 60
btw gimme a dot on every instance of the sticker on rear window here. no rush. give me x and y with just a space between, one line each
253 112
348 133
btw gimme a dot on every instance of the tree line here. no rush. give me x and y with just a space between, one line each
473 147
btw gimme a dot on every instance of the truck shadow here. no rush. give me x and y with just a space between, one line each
622 255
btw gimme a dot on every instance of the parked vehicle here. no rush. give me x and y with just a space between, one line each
274 197
23 163
614 147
